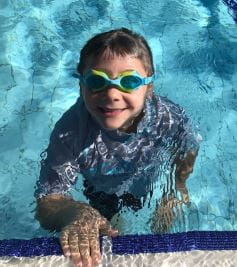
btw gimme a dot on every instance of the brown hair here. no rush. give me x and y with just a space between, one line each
119 42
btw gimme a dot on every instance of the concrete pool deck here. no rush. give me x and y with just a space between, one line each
195 258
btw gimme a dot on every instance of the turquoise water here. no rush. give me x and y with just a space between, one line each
194 45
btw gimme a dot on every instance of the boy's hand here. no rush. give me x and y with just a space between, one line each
165 212
163 216
80 239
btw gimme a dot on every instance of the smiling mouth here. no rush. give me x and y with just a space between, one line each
109 112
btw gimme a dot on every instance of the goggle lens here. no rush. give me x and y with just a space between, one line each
130 82
96 82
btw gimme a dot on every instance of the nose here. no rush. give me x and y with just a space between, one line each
112 93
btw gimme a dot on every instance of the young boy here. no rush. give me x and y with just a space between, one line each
120 136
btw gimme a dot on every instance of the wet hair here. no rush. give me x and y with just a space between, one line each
117 42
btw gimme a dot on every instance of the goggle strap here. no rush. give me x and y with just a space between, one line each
78 76
148 80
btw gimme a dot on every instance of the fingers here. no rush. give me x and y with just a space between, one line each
83 249
64 243
95 251
80 239
163 218
75 255
69 242
106 228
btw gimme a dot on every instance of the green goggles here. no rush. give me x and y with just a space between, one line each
128 81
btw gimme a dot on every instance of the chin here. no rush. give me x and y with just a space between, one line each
109 127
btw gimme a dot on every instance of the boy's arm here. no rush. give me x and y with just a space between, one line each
164 214
184 166
56 211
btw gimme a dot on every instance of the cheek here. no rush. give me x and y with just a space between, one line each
138 99
86 98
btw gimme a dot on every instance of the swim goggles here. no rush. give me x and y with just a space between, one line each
127 81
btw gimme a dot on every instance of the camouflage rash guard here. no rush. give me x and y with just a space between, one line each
115 162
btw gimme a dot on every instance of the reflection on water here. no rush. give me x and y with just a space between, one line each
194 46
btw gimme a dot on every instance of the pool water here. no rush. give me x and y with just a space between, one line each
194 44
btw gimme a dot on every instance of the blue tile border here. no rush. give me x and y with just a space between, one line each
232 5
130 244
176 242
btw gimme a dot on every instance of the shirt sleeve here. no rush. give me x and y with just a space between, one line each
59 169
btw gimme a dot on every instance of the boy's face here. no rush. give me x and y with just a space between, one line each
112 108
